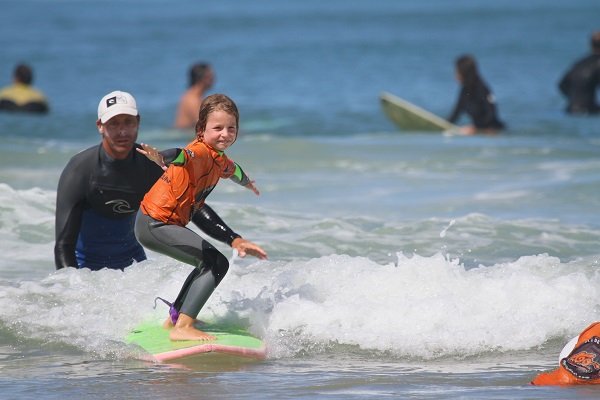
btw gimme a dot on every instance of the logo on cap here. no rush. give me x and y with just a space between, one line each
111 101
119 99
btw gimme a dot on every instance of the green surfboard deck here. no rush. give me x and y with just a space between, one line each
231 341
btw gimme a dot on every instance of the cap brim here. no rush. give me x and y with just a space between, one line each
116 110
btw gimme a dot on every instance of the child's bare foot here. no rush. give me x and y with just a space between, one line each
184 330
189 333
168 324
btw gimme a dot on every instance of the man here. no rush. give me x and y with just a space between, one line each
21 96
100 190
581 82
201 80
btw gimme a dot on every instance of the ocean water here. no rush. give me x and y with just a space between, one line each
401 264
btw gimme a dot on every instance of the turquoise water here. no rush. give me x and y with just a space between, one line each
400 264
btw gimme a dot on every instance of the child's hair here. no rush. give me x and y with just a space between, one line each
212 103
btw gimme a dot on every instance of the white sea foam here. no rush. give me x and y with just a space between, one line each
424 307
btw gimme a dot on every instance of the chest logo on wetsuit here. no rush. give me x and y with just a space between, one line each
120 206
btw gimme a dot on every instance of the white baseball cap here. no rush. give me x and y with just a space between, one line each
116 103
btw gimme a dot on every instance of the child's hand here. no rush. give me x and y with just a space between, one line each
245 247
252 187
153 155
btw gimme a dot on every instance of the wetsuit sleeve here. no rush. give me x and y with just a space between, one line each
565 83
70 197
209 222
173 156
458 108
239 176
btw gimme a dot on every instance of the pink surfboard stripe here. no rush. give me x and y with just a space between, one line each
259 353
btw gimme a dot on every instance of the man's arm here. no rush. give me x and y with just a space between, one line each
69 209
565 83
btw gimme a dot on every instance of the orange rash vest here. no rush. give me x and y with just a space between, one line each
185 186
581 366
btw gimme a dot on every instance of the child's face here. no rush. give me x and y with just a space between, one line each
221 130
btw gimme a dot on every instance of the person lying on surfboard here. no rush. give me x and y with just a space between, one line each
475 99
167 208
579 361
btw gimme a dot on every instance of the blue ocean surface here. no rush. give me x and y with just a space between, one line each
401 264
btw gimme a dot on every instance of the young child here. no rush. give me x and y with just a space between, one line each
169 205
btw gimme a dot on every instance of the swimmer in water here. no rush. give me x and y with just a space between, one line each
21 96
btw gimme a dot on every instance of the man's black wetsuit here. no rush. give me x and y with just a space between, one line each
479 103
580 84
97 201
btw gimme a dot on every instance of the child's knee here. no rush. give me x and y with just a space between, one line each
219 265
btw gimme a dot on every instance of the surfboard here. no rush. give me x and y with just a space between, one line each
409 117
236 342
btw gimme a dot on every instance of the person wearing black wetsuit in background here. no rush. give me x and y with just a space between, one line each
100 190
475 99
582 80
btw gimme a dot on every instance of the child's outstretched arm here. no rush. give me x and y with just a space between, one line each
252 187
161 158
240 177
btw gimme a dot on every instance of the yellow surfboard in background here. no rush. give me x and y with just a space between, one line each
409 117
